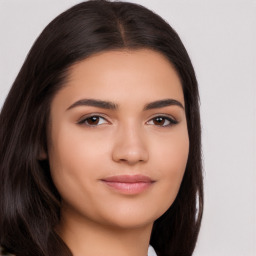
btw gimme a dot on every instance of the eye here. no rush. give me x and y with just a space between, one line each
162 121
93 121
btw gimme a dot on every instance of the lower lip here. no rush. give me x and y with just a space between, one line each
129 188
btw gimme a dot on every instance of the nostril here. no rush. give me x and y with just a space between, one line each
130 145
124 155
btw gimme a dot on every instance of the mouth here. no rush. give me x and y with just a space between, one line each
128 184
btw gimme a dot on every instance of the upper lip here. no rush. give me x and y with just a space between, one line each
128 178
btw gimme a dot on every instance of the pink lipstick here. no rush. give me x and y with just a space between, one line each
128 184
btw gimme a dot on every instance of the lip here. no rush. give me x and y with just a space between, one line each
128 184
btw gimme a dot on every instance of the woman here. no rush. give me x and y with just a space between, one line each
101 151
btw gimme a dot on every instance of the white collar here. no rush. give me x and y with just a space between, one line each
151 251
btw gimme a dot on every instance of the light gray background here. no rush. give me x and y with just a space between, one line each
220 38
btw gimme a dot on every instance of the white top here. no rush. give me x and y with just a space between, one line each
151 251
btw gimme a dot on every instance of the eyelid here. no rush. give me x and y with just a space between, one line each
170 118
82 119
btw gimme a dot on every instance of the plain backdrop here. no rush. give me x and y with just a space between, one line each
220 38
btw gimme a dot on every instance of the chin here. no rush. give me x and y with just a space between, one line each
132 218
132 223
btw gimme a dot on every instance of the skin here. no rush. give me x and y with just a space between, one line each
95 218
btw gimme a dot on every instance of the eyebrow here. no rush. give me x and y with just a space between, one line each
94 103
163 103
112 106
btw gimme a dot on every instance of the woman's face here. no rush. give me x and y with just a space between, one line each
118 142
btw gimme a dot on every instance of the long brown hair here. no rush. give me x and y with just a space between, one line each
30 203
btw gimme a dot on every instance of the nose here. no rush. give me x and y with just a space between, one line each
130 146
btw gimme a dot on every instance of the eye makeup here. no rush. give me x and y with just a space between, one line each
96 119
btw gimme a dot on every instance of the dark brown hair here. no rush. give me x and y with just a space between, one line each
30 203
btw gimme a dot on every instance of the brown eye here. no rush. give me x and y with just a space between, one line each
159 121
93 121
162 121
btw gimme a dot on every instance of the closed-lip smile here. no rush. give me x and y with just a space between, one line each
128 184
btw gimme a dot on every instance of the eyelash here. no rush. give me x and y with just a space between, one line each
172 121
85 119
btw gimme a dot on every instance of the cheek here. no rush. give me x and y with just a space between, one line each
69 156
74 163
172 152
74 151
173 155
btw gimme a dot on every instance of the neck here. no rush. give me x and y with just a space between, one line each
90 238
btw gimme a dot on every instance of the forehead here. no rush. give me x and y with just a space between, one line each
142 74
